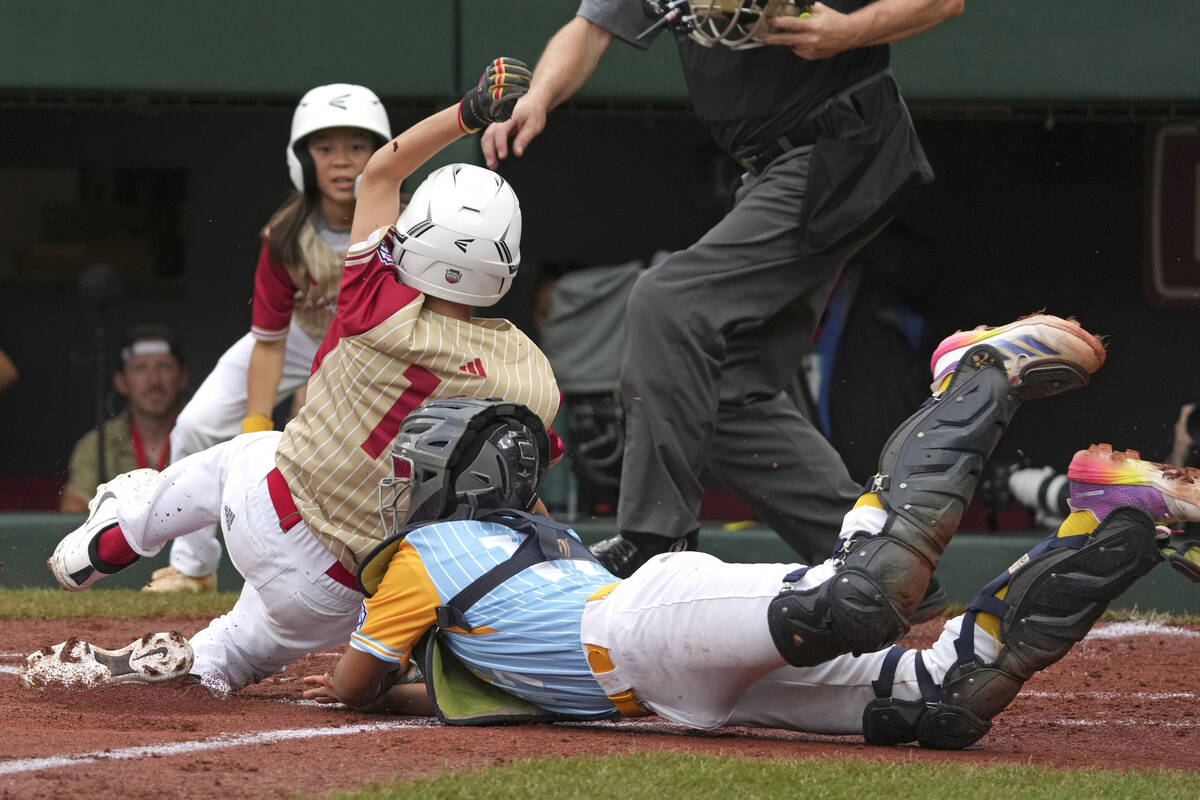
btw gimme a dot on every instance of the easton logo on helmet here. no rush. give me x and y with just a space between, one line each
453 276
462 243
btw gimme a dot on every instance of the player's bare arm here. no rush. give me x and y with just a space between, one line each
826 32
357 680
504 80
366 683
262 384
379 192
568 61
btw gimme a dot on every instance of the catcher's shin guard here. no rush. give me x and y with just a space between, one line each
927 474
1051 598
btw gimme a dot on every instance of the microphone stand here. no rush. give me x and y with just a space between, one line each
101 287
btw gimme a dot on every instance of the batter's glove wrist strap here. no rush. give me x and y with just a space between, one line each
493 98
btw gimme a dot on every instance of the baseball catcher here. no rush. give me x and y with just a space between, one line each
512 618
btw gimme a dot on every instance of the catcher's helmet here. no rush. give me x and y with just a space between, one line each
461 236
338 105
737 24
463 450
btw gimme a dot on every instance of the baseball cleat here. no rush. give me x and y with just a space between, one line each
1103 479
169 579
75 562
622 555
154 658
1043 355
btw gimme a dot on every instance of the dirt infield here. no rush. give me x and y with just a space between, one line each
1124 698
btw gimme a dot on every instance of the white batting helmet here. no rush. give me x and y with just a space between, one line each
336 105
461 236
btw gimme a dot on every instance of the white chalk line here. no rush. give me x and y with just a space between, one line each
1129 723
1139 627
219 742
1111 695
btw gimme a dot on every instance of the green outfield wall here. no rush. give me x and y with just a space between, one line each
1081 50
27 539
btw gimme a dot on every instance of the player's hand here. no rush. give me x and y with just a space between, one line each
820 33
492 99
528 120
320 688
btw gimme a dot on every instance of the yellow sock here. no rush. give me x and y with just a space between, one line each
1076 523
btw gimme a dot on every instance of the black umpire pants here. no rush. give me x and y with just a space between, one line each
715 333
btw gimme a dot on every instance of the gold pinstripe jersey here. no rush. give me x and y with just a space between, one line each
384 355
316 283
306 292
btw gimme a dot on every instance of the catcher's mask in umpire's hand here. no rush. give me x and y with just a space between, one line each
737 24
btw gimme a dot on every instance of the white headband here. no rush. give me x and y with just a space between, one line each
145 347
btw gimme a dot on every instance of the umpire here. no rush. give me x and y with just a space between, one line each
716 332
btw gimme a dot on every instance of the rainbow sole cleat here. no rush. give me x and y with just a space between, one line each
1044 355
1103 479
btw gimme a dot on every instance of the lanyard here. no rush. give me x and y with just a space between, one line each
139 452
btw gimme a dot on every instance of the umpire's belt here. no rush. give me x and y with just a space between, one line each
289 517
756 158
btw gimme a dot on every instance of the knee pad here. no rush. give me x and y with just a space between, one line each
931 464
849 613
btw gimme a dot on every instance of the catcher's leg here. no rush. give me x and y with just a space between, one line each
927 474
1049 598
1034 612
945 696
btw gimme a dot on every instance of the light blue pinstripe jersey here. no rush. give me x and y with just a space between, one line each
536 653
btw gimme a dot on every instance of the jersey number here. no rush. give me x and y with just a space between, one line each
421 383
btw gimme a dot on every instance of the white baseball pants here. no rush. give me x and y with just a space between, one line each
289 606
215 413
688 635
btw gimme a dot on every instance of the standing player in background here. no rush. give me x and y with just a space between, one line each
716 332
299 509
335 129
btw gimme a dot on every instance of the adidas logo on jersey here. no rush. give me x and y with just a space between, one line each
475 368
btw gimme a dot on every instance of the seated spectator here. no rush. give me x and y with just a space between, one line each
152 378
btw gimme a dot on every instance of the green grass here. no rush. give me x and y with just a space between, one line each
660 776
57 604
